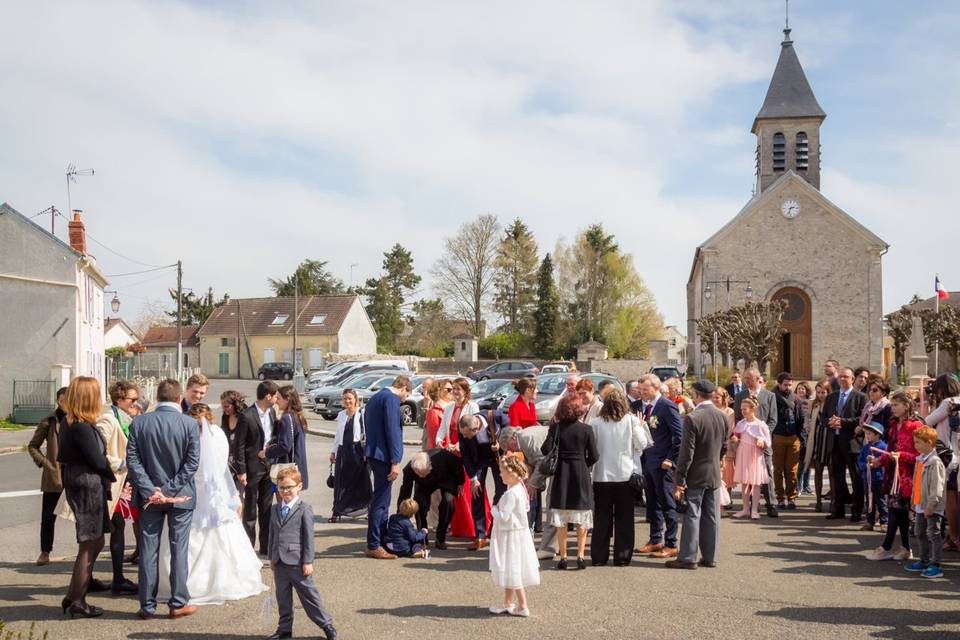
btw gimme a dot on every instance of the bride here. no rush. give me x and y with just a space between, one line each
222 564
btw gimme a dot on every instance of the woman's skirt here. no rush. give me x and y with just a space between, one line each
85 493
352 487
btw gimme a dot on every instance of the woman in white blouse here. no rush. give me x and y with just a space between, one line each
621 438
351 478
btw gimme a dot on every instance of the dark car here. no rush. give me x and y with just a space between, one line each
507 370
666 371
276 371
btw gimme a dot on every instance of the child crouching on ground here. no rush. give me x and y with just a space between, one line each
290 548
929 486
872 474
403 540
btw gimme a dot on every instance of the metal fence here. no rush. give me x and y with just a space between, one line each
32 400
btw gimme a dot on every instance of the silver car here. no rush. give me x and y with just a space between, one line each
549 389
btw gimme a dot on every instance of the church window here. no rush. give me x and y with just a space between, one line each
802 155
779 151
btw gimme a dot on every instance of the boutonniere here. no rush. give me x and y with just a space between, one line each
654 421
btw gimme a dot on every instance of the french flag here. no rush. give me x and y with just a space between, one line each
942 294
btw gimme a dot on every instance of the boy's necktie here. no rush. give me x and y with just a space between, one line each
284 512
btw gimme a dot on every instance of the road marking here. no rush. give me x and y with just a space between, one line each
20 494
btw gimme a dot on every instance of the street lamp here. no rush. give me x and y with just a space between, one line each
115 303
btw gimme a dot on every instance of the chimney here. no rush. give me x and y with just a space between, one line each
78 236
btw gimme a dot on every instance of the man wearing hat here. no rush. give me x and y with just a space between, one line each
872 476
698 477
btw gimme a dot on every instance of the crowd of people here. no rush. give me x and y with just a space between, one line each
604 453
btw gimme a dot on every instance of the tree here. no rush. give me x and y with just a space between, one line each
515 278
900 323
195 309
430 328
942 329
546 316
152 313
751 331
311 277
386 295
464 274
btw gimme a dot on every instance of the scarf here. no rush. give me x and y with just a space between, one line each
123 419
872 409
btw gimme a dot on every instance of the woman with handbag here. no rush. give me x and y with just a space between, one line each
571 448
288 444
351 475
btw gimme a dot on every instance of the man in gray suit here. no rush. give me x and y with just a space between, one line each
163 453
698 476
767 412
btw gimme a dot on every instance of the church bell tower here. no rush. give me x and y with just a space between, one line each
788 124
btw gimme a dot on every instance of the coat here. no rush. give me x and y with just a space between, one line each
251 440
571 488
290 541
115 442
666 427
849 420
48 430
900 439
443 433
384 428
289 444
163 451
703 444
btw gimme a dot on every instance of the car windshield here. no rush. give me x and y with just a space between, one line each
484 387
551 384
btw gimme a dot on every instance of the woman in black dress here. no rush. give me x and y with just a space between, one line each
571 490
87 479
232 403
289 442
351 487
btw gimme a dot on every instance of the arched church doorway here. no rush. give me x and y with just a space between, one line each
795 353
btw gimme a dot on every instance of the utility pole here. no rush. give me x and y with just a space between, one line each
296 316
179 319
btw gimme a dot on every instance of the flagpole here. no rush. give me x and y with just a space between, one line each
936 348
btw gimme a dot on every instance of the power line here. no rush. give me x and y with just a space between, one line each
120 255
136 273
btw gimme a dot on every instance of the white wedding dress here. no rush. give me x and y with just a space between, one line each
222 563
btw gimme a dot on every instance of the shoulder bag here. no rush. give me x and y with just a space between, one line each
548 466
277 467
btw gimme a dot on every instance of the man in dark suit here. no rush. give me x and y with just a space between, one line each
480 450
698 476
427 472
841 414
736 384
255 427
384 450
767 412
663 418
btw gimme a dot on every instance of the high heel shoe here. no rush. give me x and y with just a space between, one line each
65 603
562 565
581 564
84 610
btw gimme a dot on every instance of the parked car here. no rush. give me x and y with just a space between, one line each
549 389
666 371
507 369
326 400
275 371
488 394
414 401
371 365
318 378
553 368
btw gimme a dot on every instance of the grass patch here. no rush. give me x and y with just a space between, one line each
6 425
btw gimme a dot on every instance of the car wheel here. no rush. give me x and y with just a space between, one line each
482 378
262 376
286 376
407 415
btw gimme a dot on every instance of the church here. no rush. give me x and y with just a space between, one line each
789 242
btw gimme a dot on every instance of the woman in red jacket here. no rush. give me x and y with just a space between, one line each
898 468
523 411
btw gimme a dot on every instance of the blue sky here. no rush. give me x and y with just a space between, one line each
243 138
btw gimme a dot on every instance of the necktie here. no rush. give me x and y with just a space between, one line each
736 390
647 410
842 401
284 512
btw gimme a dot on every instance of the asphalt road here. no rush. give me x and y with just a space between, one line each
799 576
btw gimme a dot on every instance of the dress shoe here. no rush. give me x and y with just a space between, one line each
835 516
856 517
97 586
442 546
185 610
791 505
43 558
501 610
679 564
819 507
666 552
562 565
381 554
84 610
650 547
330 632
707 564
146 615
276 635
65 604
127 586
478 544
581 564
772 511
781 505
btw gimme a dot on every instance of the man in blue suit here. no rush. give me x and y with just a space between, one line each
384 450
663 418
163 454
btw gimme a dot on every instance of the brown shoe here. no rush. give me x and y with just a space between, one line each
380 554
479 543
650 547
185 610
666 552
146 615
679 564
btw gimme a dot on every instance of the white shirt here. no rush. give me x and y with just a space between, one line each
289 505
619 445
266 423
169 404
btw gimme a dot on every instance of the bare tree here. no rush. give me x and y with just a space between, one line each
152 313
901 330
464 273
751 331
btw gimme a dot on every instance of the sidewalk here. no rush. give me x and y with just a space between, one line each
11 440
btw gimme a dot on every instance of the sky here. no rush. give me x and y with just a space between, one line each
244 137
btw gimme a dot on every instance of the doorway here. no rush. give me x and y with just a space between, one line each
795 352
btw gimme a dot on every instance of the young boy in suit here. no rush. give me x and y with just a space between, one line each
290 548
403 540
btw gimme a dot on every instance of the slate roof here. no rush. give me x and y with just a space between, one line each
789 94
166 336
259 315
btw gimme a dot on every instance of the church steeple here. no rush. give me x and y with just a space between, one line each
788 124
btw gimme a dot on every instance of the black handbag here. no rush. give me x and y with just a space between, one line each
682 504
548 466
636 482
331 480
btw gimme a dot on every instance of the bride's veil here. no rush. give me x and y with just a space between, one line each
217 497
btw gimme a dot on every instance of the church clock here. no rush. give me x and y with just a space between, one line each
790 209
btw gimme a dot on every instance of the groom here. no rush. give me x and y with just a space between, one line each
163 453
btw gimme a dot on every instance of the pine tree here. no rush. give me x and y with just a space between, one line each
516 271
387 294
311 277
546 316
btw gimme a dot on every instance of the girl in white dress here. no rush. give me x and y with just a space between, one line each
513 558
222 564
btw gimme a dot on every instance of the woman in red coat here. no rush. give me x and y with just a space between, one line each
898 468
523 411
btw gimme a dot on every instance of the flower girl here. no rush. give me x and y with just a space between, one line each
513 558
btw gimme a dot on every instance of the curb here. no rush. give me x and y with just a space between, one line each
331 434
7 450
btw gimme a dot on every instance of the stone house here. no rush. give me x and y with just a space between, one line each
117 333
160 358
244 334
789 242
53 308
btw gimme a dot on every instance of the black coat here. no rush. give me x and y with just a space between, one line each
446 474
849 419
251 440
572 487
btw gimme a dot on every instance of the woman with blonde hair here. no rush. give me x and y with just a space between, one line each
352 487
87 479
448 436
721 400
818 452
